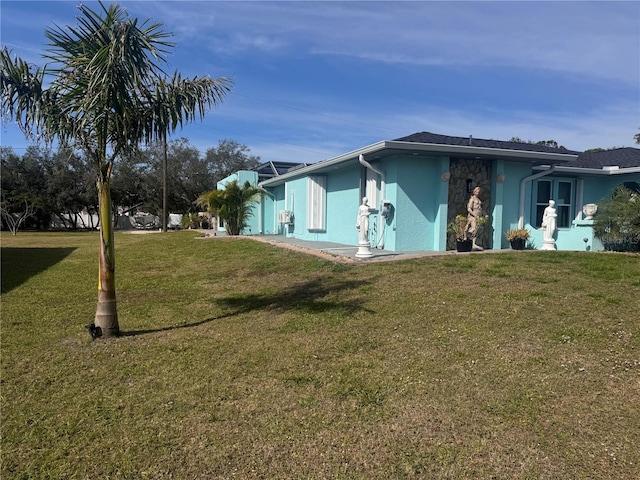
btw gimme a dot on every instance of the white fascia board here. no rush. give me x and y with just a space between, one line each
591 171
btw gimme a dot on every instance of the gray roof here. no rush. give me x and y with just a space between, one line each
622 157
470 141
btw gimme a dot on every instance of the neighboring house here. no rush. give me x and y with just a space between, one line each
419 183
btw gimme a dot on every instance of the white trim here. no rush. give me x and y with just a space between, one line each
592 171
316 202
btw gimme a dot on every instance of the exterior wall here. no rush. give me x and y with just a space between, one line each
342 201
588 189
417 223
295 201
593 190
598 188
270 206
387 236
514 173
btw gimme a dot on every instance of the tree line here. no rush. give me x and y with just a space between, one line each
58 188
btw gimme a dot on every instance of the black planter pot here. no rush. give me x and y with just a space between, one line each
518 243
464 245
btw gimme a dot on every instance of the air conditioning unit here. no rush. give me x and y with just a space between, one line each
286 217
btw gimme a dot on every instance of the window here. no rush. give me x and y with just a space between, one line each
316 203
561 191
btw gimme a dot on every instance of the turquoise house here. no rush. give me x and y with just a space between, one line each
417 184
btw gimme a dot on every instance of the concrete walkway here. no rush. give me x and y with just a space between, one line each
337 251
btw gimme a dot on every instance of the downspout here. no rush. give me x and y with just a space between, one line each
383 185
523 183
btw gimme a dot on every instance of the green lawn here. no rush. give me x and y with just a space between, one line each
242 360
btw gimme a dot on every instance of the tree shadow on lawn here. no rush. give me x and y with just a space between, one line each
306 297
20 264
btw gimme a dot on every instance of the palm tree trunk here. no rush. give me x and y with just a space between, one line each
106 313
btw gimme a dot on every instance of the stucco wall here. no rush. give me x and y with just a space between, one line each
417 202
270 205
343 200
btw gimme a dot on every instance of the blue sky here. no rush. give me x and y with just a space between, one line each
313 80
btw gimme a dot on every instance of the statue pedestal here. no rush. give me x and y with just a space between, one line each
364 250
548 245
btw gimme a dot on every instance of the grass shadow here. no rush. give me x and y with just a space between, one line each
307 297
20 264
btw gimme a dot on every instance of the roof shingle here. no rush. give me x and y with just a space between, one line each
428 137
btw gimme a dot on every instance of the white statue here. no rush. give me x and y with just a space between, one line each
549 226
362 222
362 225
589 210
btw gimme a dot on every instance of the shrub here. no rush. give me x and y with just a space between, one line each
617 223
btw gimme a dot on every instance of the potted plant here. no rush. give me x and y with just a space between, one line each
457 226
517 238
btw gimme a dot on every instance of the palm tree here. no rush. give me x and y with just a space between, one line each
233 204
107 93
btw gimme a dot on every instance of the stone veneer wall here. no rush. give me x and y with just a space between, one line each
479 171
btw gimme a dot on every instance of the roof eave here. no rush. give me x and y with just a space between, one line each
591 171
453 150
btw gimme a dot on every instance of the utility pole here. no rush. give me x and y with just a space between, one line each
165 214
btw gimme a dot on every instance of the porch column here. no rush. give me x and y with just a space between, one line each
497 191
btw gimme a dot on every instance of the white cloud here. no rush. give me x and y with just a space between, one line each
599 39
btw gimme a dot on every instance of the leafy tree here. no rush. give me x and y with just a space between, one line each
107 93
133 183
188 175
23 188
544 143
70 189
16 213
617 223
637 137
17 203
229 157
234 204
138 179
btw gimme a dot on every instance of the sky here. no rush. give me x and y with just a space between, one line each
314 80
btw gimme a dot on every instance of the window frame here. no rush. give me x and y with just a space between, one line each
564 210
